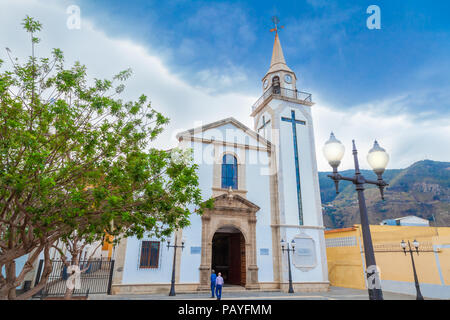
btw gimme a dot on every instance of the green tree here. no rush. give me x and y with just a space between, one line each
75 158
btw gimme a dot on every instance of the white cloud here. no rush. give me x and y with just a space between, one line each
406 139
184 103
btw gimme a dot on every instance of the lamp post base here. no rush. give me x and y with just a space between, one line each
419 294
172 290
376 294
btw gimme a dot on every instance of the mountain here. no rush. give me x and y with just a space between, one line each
423 190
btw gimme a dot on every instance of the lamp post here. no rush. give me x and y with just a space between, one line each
175 247
378 160
416 280
285 247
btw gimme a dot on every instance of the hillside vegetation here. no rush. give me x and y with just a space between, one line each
423 190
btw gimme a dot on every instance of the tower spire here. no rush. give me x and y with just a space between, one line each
278 63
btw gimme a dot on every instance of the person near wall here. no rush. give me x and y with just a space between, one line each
219 285
213 282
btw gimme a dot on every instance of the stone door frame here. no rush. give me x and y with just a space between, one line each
230 210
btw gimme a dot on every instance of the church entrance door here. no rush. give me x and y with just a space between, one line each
229 242
228 255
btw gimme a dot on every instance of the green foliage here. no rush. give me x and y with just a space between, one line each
31 25
76 159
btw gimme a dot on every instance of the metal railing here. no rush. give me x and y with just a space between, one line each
425 246
95 278
284 92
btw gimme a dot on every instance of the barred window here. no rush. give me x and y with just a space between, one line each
149 254
341 242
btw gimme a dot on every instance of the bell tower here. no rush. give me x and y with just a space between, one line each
283 116
279 74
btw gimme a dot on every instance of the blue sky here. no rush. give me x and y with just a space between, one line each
201 61
326 42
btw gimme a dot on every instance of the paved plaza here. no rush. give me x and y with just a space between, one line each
335 293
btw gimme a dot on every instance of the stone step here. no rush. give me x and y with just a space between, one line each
238 289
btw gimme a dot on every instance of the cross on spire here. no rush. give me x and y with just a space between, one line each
276 21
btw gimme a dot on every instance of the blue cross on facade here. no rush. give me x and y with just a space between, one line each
294 123
263 127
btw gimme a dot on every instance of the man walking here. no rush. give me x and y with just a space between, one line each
213 282
219 284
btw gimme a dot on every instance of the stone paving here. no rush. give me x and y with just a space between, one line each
335 293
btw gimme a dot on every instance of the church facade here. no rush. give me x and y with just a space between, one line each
266 190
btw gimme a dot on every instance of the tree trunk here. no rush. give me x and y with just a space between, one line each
68 294
48 267
10 279
8 289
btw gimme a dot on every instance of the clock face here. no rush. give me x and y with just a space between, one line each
266 83
288 78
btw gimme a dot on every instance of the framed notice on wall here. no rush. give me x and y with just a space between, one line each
304 257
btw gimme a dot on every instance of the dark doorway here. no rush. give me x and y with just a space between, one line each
228 255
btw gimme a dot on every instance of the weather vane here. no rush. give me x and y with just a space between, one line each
276 21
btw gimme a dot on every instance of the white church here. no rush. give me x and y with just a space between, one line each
266 189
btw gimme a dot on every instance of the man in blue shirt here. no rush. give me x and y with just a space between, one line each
213 282
219 285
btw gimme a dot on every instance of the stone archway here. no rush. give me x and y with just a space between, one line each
230 211
228 255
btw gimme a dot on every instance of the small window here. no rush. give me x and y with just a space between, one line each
149 254
229 172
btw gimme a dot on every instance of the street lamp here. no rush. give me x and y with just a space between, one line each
175 247
378 159
416 280
285 247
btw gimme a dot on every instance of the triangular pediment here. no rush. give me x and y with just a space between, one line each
234 202
209 132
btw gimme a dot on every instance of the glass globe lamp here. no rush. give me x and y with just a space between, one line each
378 158
333 150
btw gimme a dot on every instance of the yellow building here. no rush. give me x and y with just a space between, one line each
346 262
